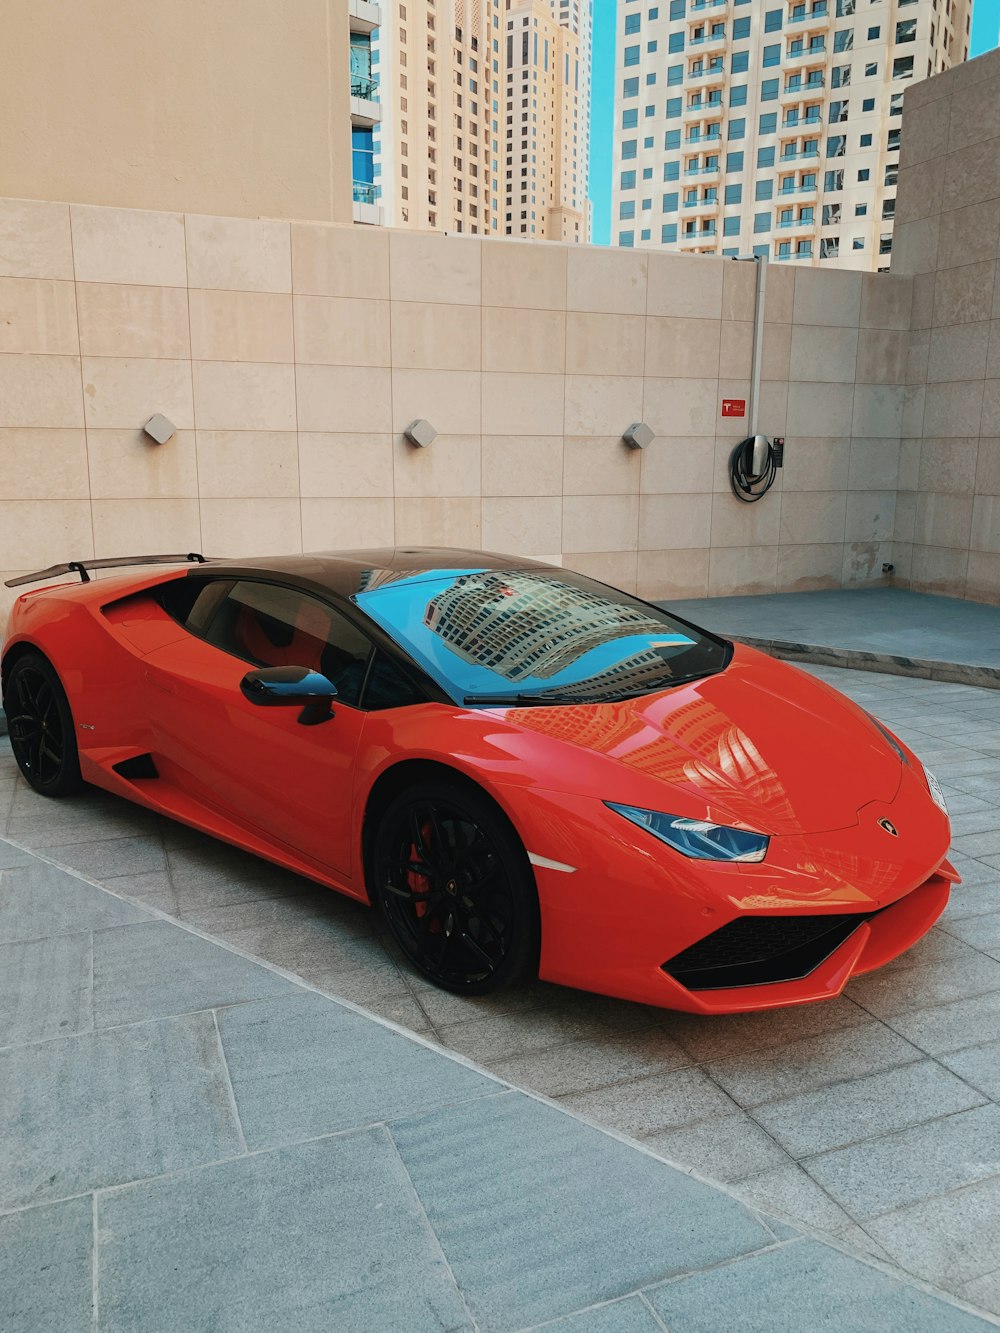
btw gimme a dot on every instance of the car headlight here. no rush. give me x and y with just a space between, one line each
934 787
695 837
887 735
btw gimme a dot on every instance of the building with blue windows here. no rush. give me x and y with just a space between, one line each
770 127
366 110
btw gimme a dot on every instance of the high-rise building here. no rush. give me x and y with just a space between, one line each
547 61
439 65
366 110
770 127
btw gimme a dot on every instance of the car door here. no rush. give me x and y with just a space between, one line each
261 765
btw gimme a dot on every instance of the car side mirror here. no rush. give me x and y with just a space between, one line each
291 686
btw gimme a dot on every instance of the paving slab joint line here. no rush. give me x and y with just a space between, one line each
435 1238
899 1274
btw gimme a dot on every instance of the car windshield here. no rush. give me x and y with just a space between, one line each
537 636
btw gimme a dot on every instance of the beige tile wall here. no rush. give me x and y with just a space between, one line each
291 357
947 239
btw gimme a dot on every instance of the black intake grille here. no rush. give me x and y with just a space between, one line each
757 950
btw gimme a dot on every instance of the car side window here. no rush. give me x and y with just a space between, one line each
269 626
388 686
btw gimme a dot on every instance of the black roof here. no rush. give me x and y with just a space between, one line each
345 573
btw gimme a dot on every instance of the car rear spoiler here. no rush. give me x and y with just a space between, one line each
82 567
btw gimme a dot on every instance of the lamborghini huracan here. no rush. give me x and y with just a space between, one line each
526 771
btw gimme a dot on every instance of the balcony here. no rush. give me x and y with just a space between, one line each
793 255
366 207
800 193
365 108
797 59
800 92
707 76
702 208
710 42
701 111
698 6
706 174
797 156
794 225
819 15
364 17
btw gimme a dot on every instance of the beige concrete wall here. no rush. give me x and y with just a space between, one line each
291 357
235 106
947 535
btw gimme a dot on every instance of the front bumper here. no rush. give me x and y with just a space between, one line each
631 907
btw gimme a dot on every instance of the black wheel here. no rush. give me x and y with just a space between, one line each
41 727
455 887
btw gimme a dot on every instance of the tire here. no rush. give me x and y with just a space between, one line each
455 888
42 733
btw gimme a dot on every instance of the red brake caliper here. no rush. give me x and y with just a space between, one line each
418 883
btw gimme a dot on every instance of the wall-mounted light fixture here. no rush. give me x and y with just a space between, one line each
421 433
159 428
638 435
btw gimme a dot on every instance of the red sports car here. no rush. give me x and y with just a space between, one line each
525 770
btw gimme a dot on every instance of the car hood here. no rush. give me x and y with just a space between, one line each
761 745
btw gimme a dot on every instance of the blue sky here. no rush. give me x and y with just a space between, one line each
985 35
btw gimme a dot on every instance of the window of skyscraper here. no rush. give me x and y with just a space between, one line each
630 88
737 129
873 34
632 22
626 209
670 202
630 118
771 55
741 29
738 95
769 90
763 190
906 31
730 226
631 55
629 148
765 157
628 180
864 174
625 238
675 42
668 233
902 68
672 140
740 62
769 122
673 108
772 20
762 222
734 194
734 162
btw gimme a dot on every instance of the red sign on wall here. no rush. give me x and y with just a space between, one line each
734 407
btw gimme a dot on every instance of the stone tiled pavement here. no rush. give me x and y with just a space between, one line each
190 1139
875 1117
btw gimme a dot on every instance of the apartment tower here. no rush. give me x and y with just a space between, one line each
439 66
770 128
366 111
547 60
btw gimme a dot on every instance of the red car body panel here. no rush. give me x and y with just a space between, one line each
760 745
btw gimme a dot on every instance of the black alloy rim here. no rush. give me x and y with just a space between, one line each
446 893
36 730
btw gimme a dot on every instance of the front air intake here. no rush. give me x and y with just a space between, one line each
761 950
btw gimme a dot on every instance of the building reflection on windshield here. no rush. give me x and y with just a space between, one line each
521 624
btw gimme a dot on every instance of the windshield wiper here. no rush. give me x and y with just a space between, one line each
524 699
556 698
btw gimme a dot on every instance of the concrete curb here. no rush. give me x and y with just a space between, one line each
857 659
